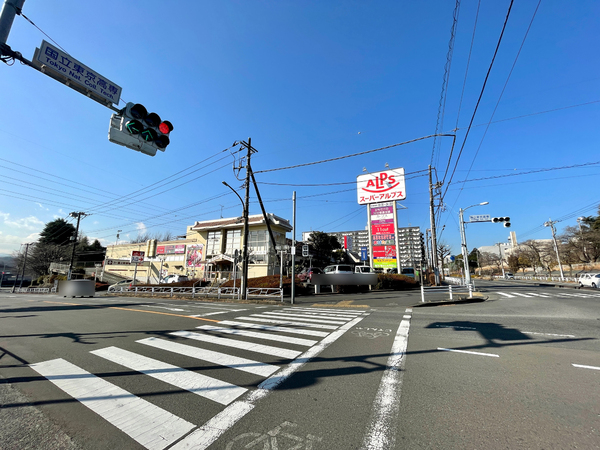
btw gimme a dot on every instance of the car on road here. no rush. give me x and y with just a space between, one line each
363 269
122 285
509 276
589 279
175 278
307 273
338 268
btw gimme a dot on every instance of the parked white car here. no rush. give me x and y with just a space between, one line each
589 279
174 278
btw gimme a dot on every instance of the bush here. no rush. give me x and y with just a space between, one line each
272 281
396 282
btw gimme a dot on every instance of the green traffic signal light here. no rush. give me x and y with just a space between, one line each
134 126
149 134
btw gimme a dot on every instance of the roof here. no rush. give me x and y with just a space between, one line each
236 222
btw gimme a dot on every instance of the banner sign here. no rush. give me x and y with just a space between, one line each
195 254
364 253
381 186
383 236
348 242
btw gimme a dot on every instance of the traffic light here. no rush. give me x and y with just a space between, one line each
506 221
139 130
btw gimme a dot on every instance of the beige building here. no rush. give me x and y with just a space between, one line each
207 252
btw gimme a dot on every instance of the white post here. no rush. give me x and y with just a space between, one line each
470 291
422 294
450 290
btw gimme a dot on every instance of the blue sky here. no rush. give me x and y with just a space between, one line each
307 81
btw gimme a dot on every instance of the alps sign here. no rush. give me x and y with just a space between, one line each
379 187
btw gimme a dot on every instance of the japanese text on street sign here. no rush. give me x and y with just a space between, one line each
67 66
381 186
479 218
137 256
383 235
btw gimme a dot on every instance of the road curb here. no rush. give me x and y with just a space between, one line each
459 301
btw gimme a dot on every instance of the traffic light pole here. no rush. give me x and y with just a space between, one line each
9 10
246 231
550 224
293 293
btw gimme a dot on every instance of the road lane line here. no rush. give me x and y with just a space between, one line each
289 322
381 433
243 345
196 383
470 353
275 328
585 367
223 359
254 334
163 307
506 295
146 423
208 433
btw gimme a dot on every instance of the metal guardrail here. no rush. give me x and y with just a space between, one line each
218 292
450 288
539 278
35 290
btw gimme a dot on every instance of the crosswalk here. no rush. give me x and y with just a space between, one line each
560 294
296 331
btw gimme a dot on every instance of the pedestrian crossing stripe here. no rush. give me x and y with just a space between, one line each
153 427
257 335
275 328
235 362
505 294
278 315
254 318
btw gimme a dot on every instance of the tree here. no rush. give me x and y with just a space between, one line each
57 232
323 246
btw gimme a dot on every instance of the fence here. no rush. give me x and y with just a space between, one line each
35 290
218 292
541 278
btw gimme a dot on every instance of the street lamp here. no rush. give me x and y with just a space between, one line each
463 239
244 286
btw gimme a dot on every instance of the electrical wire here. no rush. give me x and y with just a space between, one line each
480 95
352 155
19 12
330 184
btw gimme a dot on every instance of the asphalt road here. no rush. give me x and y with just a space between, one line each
364 371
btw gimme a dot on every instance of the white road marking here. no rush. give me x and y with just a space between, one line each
275 328
254 334
470 353
409 310
331 311
210 314
585 367
146 423
163 307
288 322
538 295
207 387
244 345
406 316
454 326
276 315
235 362
208 433
324 313
317 315
505 294
521 295
381 433
548 334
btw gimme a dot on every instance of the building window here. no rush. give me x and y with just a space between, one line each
258 246
213 245
232 241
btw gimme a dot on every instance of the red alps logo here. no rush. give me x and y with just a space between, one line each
381 183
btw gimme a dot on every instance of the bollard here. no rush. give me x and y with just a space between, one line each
470 291
422 294
450 290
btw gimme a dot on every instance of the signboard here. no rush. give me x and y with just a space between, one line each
170 249
195 253
381 186
122 262
383 236
137 256
480 218
63 67
364 253
348 242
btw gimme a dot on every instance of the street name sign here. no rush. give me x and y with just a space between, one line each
480 218
61 66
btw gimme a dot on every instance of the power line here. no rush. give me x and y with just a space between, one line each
329 184
352 155
480 95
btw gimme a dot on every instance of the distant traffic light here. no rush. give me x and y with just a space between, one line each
506 221
139 130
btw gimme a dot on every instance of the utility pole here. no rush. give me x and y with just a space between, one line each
78 215
501 258
550 224
434 255
293 293
246 214
22 269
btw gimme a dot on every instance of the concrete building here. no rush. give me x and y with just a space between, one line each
410 243
207 252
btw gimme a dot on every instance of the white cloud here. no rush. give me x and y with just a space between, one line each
42 207
29 223
141 227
